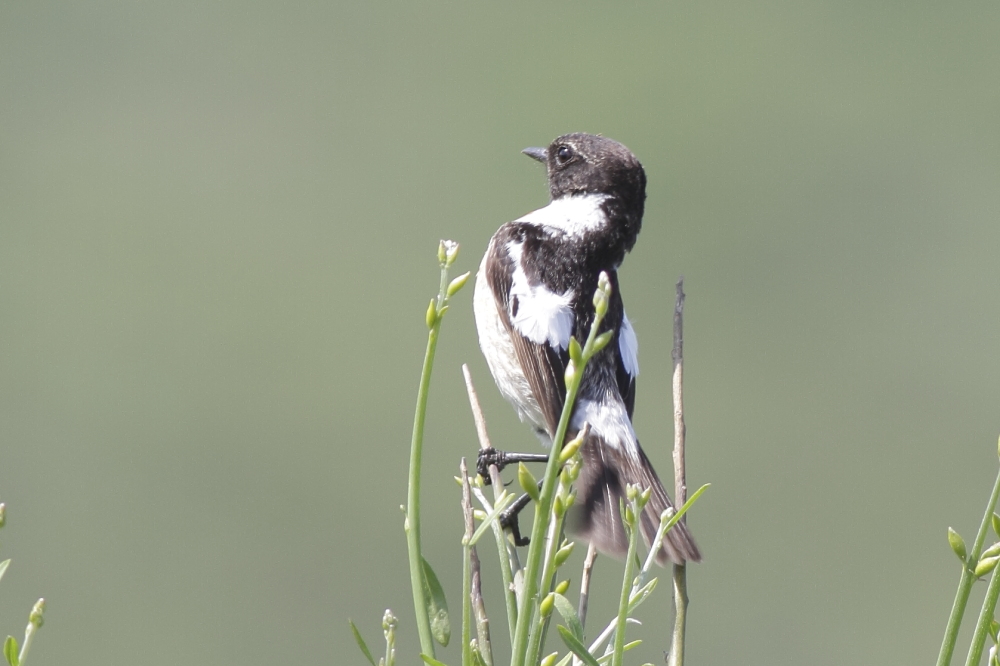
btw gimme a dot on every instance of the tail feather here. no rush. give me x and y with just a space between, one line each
596 516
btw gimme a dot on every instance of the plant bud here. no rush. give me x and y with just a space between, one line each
957 544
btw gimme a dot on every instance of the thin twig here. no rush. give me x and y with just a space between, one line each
588 568
478 607
680 479
510 566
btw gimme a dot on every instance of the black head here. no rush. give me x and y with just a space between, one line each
589 164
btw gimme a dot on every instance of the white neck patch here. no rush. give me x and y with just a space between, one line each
574 215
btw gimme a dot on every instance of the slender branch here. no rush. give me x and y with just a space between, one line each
680 429
509 563
474 595
680 478
588 569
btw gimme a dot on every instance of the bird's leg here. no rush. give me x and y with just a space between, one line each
508 517
501 459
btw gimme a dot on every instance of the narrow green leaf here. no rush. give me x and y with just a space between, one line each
576 647
996 524
10 651
568 613
431 661
994 630
3 567
437 606
498 508
957 543
641 594
361 644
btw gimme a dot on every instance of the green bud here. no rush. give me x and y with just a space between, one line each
575 352
563 554
558 507
986 565
450 249
479 514
994 630
549 660
570 375
629 516
601 296
457 284
995 521
442 253
644 497
547 603
431 314
527 481
991 551
572 446
562 587
36 613
957 544
570 500
631 491
389 620
602 340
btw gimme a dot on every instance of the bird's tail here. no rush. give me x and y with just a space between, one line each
596 515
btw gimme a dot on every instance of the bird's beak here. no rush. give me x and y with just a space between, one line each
540 154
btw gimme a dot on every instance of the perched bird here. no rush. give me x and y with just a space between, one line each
535 289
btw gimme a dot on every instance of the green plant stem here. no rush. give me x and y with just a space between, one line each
554 539
680 617
412 523
965 584
619 650
543 507
985 618
413 500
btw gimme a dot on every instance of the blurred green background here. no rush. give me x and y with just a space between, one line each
218 225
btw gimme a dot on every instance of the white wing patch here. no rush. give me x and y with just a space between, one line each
574 215
608 419
628 345
542 316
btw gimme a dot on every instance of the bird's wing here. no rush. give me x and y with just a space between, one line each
538 320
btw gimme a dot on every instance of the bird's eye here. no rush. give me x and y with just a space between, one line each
564 154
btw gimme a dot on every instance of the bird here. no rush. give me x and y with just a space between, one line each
534 291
